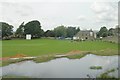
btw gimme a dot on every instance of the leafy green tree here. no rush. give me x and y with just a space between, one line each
71 31
20 31
41 33
7 30
103 32
60 31
117 30
111 32
49 33
33 28
78 29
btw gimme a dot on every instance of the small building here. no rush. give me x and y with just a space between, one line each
85 35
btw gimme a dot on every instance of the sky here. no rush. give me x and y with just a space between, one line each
87 14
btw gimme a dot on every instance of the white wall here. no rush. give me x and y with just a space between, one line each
75 38
28 36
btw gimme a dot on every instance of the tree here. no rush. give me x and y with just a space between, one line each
20 31
71 31
103 32
41 33
33 28
7 30
49 33
60 31
78 29
117 30
111 32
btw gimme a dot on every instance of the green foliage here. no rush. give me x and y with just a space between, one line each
7 30
60 31
49 33
77 30
41 33
103 32
20 31
71 31
33 28
111 32
117 29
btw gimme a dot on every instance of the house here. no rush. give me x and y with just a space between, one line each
85 35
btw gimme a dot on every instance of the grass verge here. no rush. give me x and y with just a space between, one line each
45 58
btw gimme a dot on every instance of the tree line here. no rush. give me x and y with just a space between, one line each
34 28
104 32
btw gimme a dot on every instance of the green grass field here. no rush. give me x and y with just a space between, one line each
39 47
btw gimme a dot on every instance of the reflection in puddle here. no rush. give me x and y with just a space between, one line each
63 67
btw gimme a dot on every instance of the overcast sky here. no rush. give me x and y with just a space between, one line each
87 14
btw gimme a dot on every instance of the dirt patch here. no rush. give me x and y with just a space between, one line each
16 56
74 52
19 56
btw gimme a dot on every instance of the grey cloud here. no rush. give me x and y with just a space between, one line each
105 11
81 18
17 8
52 14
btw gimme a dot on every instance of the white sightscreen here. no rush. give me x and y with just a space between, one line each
28 36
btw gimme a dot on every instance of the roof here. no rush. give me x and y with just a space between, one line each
84 31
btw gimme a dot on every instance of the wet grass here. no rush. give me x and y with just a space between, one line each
44 58
96 67
106 52
106 74
77 56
